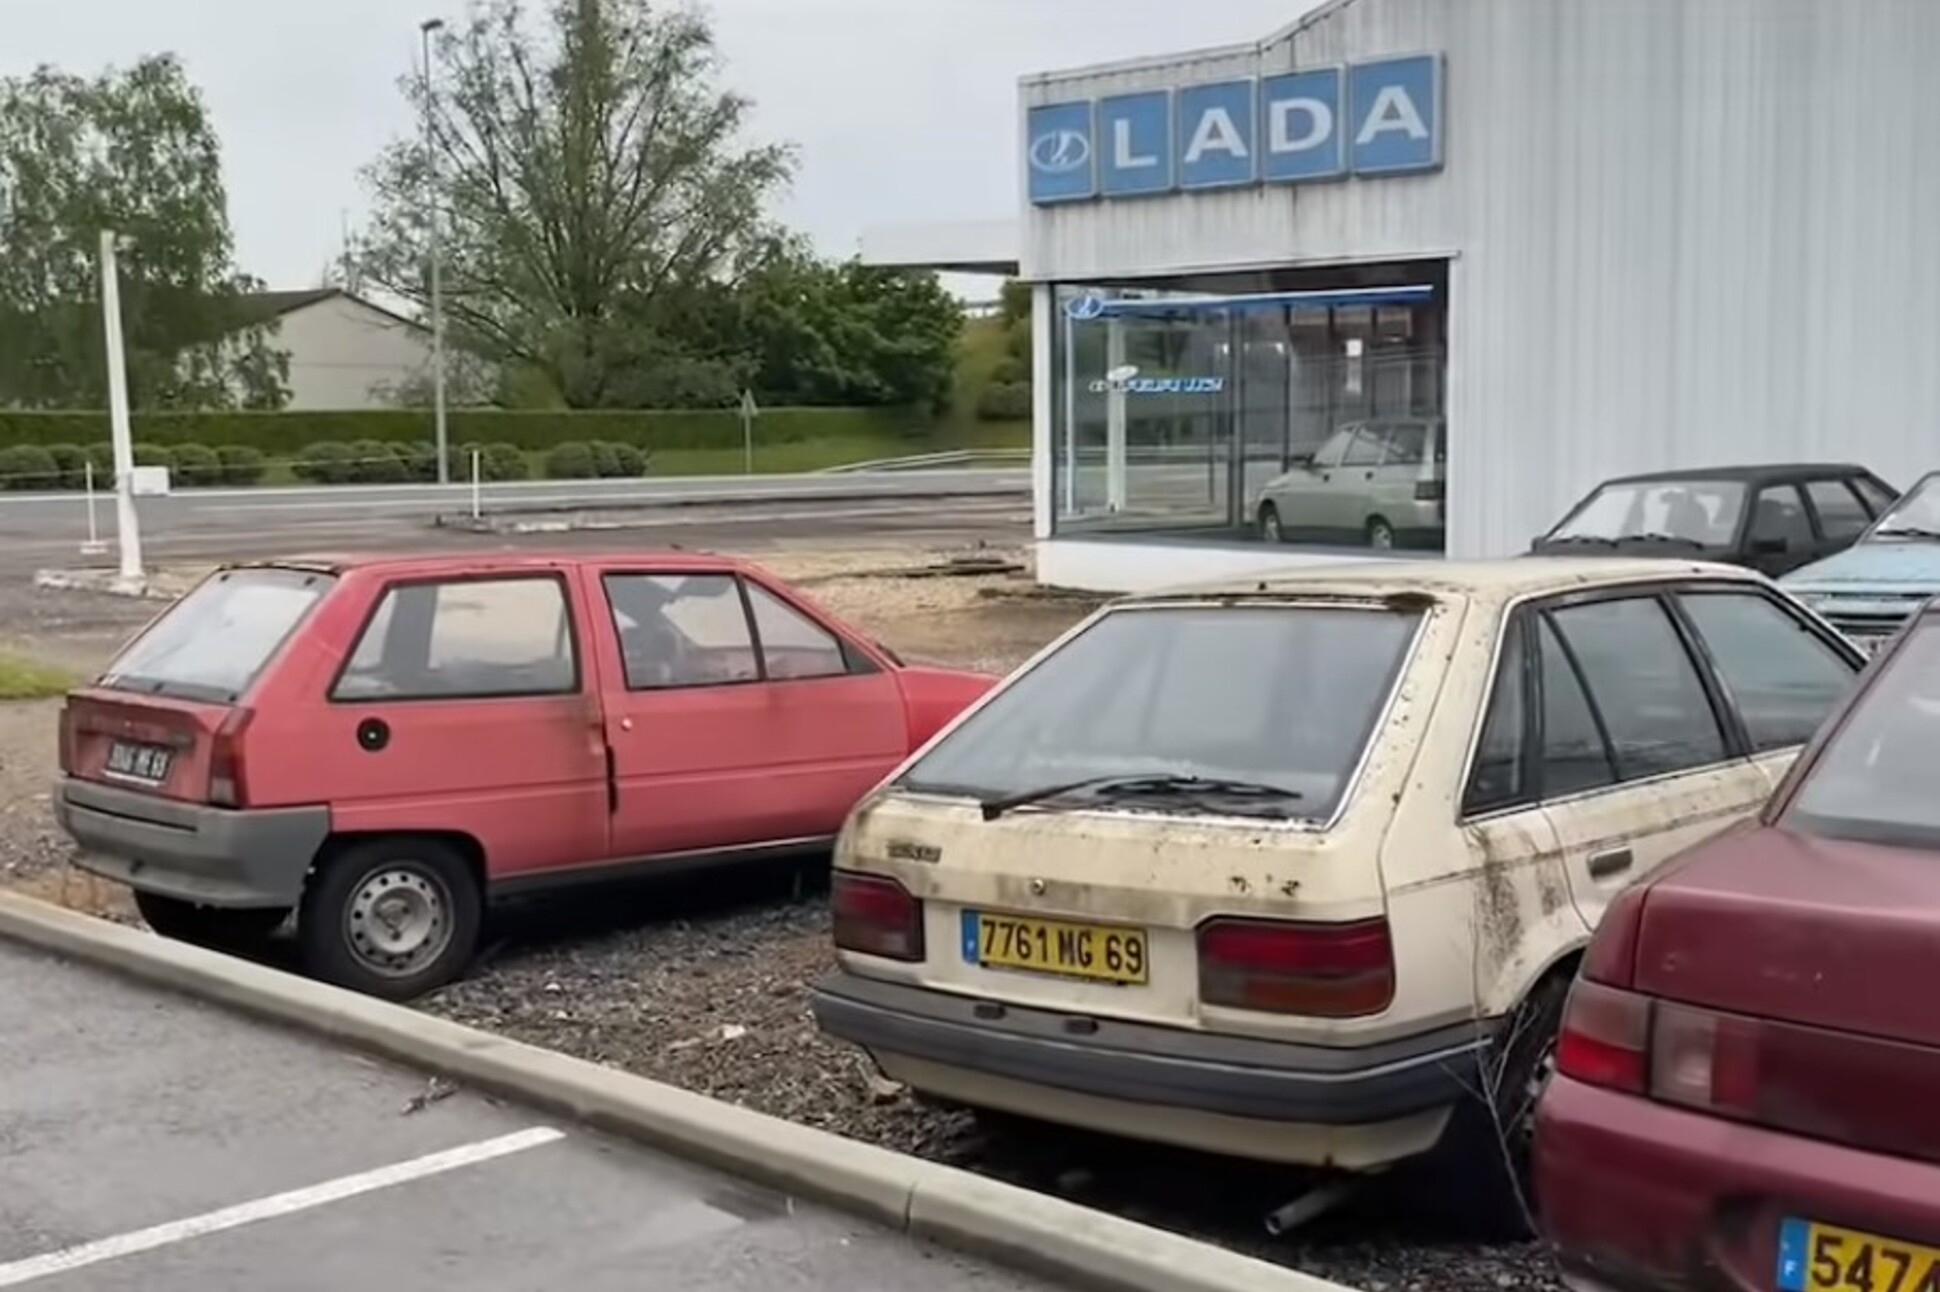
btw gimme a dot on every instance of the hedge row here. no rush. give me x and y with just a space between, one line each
65 466
284 435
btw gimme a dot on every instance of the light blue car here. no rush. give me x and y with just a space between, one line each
1868 590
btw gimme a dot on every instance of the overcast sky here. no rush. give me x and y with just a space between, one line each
904 110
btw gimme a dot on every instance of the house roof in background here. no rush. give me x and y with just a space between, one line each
266 306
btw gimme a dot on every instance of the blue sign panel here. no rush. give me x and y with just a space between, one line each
1215 132
1300 135
1375 118
1396 115
1135 143
1059 153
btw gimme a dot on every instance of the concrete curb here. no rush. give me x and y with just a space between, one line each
1030 1230
105 582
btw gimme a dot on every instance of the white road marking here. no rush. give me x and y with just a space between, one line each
281 1204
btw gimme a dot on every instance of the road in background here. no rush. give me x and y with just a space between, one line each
153 1143
32 539
64 515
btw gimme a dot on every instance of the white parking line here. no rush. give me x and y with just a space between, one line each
281 1204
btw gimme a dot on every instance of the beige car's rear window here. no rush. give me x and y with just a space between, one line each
1272 695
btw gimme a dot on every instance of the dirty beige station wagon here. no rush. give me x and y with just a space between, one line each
1288 870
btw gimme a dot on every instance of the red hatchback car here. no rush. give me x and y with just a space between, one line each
1748 1076
383 745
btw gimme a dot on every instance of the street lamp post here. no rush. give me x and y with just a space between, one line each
425 29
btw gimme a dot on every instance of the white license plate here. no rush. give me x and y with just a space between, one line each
138 762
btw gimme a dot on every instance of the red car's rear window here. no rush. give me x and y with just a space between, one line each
213 643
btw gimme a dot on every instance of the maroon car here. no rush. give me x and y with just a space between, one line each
1748 1076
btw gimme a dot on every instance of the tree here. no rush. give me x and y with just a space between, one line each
131 151
814 333
591 183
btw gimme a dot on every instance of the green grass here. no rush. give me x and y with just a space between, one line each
26 679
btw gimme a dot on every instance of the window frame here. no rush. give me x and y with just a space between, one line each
1717 699
1867 514
1755 492
856 661
1597 720
1857 482
1695 639
1522 616
1517 631
1344 437
1364 434
389 586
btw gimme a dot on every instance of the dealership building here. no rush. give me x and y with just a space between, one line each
1410 276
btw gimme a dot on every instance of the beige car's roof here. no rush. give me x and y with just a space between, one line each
1506 579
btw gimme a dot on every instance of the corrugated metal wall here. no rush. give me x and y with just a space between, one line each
1686 232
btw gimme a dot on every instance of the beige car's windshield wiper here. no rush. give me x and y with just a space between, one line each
1160 785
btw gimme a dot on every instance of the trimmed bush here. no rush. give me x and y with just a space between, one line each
242 464
572 460
1004 403
28 466
420 460
1010 371
606 463
70 465
103 457
154 455
632 461
374 462
503 461
327 462
195 466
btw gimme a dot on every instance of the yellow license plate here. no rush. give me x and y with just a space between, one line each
1820 1258
1099 952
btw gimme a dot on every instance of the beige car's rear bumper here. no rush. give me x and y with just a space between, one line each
1355 1109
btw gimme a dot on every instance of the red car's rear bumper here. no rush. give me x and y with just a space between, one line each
1637 1196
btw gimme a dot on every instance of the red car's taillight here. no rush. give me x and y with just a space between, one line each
1704 1060
876 916
227 785
1279 967
1605 1036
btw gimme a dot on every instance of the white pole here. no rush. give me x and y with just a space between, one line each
1070 418
126 527
475 476
747 441
437 261
94 532
1116 454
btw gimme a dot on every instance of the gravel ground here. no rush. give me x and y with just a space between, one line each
704 983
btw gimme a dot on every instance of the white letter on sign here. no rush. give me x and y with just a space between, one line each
1122 155
1280 128
1216 131
1392 110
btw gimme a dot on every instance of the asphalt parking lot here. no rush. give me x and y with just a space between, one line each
151 1142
